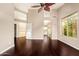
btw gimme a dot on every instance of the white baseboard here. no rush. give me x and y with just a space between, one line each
6 49
69 44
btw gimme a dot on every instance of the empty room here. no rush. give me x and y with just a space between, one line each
39 29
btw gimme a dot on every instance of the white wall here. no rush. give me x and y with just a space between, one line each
6 26
37 23
37 20
54 19
62 12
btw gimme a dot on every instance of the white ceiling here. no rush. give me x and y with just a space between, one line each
57 5
25 6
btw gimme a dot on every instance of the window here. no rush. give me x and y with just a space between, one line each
69 25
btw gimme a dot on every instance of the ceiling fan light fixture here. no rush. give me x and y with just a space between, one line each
45 6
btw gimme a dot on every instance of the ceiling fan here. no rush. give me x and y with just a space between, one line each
43 6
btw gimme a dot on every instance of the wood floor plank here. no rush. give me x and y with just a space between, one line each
41 48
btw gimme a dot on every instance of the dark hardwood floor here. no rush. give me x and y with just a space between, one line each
40 48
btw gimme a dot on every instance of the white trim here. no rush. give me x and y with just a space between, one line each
6 49
35 38
70 44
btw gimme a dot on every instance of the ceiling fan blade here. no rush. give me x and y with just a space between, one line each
40 9
49 4
42 4
35 6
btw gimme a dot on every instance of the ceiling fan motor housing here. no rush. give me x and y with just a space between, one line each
47 6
